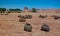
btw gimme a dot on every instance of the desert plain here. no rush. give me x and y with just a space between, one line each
10 25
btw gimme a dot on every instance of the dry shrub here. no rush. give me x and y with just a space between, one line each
6 14
55 17
45 27
28 16
25 17
19 16
27 27
22 20
40 16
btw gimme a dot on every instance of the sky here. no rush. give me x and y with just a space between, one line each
39 4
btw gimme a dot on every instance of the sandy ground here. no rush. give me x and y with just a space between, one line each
10 25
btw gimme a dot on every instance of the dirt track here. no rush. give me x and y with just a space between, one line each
10 25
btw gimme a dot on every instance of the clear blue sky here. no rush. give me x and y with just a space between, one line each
30 4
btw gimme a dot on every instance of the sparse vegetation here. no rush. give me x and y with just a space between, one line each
40 16
2 10
13 20
25 17
15 10
33 10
